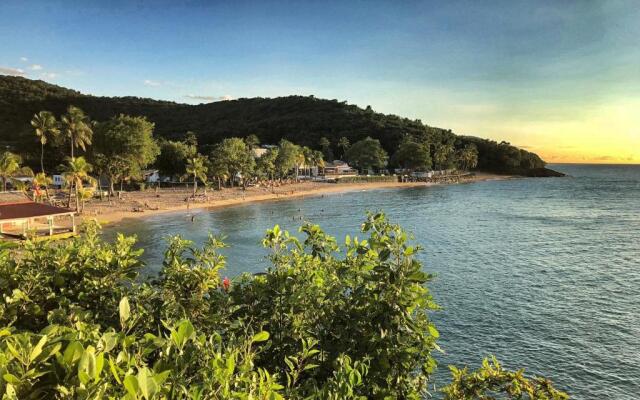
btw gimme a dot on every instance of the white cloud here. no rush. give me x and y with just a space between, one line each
11 71
36 67
208 98
198 97
148 82
48 75
24 59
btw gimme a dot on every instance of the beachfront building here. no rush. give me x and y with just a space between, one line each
20 217
338 169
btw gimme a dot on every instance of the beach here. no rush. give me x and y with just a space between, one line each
140 204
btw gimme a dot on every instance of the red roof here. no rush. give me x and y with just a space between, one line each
29 210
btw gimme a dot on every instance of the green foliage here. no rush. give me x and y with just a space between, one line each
366 154
302 120
323 322
491 381
173 157
77 127
10 167
412 155
123 146
236 156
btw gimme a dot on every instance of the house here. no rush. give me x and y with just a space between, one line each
19 216
151 175
338 168
58 181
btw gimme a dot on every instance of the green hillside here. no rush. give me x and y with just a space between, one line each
303 120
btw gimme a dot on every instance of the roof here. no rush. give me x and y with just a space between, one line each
25 210
13 197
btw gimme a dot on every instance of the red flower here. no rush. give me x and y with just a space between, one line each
226 283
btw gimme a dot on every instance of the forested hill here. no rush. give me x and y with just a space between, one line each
303 120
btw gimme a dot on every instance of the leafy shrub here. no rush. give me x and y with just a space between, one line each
321 323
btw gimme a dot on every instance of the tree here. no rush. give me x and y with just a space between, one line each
173 157
77 173
343 145
41 180
237 157
123 147
325 146
252 141
467 157
266 164
217 170
412 155
366 154
287 157
196 167
46 127
77 127
10 167
443 156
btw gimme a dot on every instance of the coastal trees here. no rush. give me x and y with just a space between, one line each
443 157
196 167
123 147
325 146
46 127
367 154
467 157
173 157
343 145
412 155
288 154
266 163
77 127
237 157
10 167
76 174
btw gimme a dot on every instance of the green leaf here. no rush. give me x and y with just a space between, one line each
9 378
131 385
72 353
125 310
433 331
260 337
38 349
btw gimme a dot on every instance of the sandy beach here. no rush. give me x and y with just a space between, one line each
152 202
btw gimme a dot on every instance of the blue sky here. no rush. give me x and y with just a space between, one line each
538 73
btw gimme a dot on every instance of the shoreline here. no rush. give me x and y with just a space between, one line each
107 214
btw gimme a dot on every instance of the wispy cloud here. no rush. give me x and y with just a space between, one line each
35 67
24 59
48 75
11 71
149 82
209 98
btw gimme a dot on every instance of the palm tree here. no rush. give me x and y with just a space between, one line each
46 126
77 127
10 167
77 172
42 181
84 194
196 167
344 145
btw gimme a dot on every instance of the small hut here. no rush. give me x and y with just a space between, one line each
21 217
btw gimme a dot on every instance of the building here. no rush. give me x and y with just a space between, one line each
337 169
20 217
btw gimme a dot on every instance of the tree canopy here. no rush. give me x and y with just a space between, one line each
366 154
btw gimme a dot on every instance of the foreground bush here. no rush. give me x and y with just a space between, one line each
320 323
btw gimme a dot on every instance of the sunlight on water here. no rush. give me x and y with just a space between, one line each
543 273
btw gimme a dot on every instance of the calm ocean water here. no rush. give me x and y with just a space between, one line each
542 273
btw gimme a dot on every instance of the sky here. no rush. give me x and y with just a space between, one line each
560 78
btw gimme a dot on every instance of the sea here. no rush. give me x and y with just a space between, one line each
543 273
